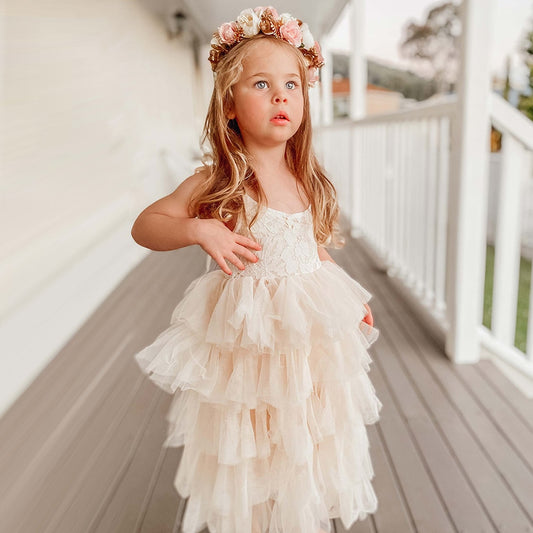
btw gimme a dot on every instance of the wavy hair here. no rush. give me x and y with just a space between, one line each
228 165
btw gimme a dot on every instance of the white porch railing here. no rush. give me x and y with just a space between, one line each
392 176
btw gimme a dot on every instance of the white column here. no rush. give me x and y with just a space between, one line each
206 76
358 77
314 103
468 186
326 88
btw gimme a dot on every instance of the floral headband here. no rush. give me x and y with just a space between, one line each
266 20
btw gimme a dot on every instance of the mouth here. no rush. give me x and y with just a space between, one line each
281 117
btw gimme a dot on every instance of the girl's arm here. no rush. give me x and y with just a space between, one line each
323 254
165 224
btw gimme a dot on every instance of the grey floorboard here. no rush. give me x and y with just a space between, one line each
82 448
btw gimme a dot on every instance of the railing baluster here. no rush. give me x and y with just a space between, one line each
507 241
396 193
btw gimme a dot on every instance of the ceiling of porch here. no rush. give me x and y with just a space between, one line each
206 15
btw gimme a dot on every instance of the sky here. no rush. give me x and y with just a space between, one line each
511 19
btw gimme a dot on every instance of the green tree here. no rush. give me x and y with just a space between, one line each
434 44
525 101
507 86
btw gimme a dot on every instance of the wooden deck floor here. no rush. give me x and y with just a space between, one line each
81 449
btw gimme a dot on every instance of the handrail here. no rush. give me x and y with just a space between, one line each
510 120
393 174
443 107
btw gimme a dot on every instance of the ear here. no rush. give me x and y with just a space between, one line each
230 114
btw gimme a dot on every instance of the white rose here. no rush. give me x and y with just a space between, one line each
307 38
285 17
249 22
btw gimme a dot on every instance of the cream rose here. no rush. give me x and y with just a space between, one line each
307 38
249 22
286 17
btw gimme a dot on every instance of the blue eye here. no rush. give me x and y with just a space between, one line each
292 84
262 87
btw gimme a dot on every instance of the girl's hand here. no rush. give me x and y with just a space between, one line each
369 319
221 243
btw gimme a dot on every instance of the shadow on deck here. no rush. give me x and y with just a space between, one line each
81 449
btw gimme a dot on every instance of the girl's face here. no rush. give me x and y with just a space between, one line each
268 98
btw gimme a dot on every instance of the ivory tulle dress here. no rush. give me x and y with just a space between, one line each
269 369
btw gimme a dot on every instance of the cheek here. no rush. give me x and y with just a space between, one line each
299 107
249 108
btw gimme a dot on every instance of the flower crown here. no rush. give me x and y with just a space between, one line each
266 20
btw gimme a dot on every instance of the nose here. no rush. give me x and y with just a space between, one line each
279 98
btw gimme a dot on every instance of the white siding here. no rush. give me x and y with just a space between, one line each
99 120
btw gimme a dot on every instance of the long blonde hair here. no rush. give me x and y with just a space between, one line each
227 164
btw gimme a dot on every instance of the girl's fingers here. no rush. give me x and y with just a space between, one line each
236 261
222 264
242 250
245 241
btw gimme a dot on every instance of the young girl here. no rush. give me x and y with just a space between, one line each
269 348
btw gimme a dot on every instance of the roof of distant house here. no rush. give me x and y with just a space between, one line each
342 86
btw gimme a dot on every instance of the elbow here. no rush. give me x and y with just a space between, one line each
134 233
137 235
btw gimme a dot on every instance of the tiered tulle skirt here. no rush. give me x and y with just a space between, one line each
272 398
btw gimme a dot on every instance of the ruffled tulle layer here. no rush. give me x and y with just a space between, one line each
272 401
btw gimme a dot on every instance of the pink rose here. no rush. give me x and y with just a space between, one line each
291 32
227 32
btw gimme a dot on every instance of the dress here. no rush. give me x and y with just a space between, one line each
269 369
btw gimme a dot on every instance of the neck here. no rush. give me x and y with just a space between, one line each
266 161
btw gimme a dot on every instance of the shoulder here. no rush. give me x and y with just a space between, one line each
183 192
192 182
176 204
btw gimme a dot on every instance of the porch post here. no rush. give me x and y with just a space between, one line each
326 78
468 186
358 82
358 76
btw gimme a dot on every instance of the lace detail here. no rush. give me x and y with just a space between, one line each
287 239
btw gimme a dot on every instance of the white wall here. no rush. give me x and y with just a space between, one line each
99 120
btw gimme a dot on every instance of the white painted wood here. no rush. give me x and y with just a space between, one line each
314 104
358 67
421 204
206 79
400 250
411 251
442 213
507 118
431 218
398 259
326 88
468 187
507 240
100 120
356 218
381 146
388 199
391 199
207 15
506 353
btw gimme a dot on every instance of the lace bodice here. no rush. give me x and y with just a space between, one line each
287 240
